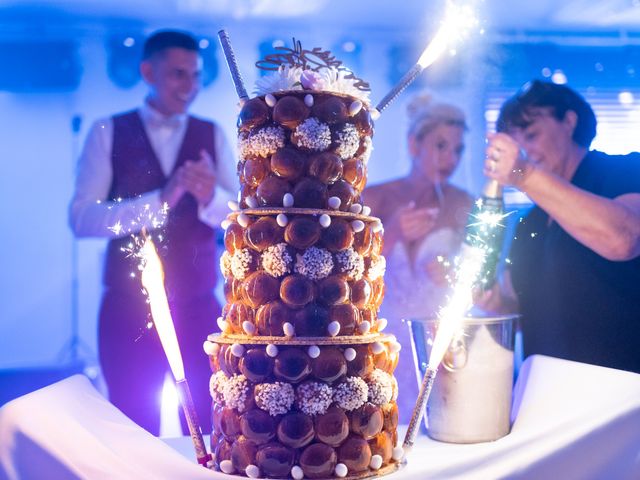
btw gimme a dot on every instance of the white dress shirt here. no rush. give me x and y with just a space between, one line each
92 214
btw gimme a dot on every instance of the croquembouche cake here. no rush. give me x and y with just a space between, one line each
302 382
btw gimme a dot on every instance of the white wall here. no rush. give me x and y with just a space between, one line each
36 146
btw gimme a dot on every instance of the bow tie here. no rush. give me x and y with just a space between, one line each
164 122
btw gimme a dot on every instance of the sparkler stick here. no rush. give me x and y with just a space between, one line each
225 41
153 282
458 21
476 266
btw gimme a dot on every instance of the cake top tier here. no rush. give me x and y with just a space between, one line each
315 70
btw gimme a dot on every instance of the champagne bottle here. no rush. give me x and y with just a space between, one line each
485 230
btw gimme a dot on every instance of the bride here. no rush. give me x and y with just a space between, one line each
424 218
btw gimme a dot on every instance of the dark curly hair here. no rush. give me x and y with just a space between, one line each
519 111
162 40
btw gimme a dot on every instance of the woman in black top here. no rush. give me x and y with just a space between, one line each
575 259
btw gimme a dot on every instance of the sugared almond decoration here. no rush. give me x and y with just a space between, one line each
288 329
226 466
377 226
334 203
375 463
325 220
357 225
355 208
398 454
364 327
355 108
248 327
270 100
233 205
350 354
333 328
297 473
243 220
282 220
225 223
308 100
253 471
209 347
272 350
375 114
381 324
366 210
377 348
287 200
313 351
395 347
341 470
222 325
237 350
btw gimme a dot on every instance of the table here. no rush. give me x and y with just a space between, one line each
571 421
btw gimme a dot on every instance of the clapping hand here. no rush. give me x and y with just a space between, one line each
199 179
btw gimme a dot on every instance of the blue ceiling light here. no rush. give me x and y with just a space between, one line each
208 51
349 52
123 59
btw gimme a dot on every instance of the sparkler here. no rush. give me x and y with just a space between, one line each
153 282
476 266
458 22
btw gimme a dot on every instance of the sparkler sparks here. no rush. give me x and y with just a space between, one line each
116 228
153 282
142 217
459 22
475 267
137 230
469 268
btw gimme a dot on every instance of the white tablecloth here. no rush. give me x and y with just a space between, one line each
572 421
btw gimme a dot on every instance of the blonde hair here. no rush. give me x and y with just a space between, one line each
425 115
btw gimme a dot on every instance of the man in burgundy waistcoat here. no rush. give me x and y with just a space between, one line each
132 164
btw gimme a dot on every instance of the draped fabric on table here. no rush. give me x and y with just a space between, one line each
572 421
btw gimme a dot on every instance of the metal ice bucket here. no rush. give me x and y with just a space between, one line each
471 398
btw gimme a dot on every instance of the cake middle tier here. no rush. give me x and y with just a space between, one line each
302 272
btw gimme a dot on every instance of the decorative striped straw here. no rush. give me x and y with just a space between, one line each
233 66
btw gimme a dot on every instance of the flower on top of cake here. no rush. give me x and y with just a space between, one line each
314 70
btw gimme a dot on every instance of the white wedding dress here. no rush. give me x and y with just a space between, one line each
411 293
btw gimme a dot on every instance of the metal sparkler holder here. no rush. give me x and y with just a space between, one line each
184 394
471 397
